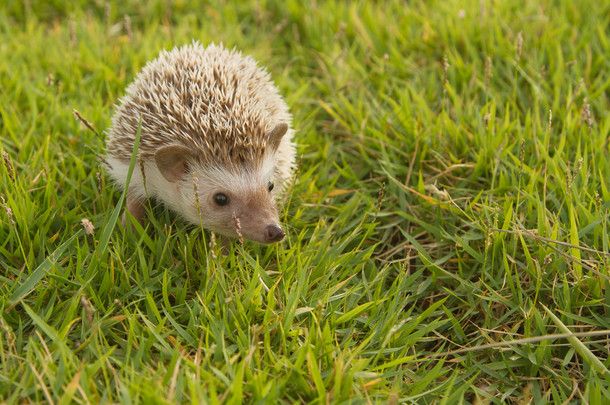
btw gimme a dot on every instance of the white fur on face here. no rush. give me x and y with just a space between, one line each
249 197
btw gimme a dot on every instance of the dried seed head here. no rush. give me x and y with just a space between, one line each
88 309
99 181
212 245
522 156
488 72
196 194
598 200
127 24
279 27
579 86
445 68
488 233
586 109
8 335
575 171
341 31
88 226
238 229
519 47
442 195
72 28
142 171
9 211
107 16
9 166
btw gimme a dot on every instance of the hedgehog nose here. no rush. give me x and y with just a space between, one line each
274 233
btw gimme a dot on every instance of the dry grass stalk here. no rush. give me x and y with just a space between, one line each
196 195
212 245
9 166
488 72
107 16
521 156
141 162
519 47
99 181
88 226
586 109
9 211
575 171
446 66
84 121
238 229
598 200
127 24
72 28
88 309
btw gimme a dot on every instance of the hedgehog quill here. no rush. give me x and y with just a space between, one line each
213 115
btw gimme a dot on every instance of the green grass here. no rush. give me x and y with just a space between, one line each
447 240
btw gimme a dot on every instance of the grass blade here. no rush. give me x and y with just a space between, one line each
110 225
580 347
30 283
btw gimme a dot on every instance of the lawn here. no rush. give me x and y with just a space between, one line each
447 226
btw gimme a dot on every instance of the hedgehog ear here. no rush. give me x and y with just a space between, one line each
172 161
276 134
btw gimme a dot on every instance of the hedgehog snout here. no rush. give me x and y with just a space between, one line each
274 233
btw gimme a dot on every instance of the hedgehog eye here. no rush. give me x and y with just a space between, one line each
270 186
220 199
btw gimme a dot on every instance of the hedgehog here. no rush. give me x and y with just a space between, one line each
215 141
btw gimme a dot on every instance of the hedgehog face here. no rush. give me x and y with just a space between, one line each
242 202
228 201
233 200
